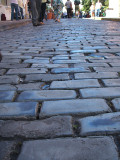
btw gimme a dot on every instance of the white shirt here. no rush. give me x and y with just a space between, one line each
14 1
98 5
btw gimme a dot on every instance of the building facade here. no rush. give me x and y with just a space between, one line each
114 9
5 8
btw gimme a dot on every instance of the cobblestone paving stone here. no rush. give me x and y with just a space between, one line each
60 91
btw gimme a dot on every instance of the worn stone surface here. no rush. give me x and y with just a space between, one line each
7 87
18 110
68 70
100 92
51 127
74 84
46 95
2 71
68 61
100 148
26 71
14 79
74 107
6 149
7 96
46 77
37 61
96 75
116 103
45 65
100 125
30 86
111 82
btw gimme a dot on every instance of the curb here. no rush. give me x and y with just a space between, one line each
7 25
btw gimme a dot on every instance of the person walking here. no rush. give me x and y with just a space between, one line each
36 11
97 8
68 5
14 6
58 7
20 4
43 9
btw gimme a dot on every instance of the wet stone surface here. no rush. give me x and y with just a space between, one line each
60 91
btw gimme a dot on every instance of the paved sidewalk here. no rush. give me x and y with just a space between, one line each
60 91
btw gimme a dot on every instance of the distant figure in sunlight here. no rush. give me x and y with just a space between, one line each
58 8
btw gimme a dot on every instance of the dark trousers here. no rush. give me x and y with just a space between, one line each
14 7
36 10
69 12
43 8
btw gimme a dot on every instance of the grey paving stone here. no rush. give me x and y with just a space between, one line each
104 60
7 96
7 87
68 61
6 149
10 60
100 148
13 65
9 79
60 57
77 65
116 103
2 71
111 82
74 107
100 92
98 75
68 70
115 64
30 86
71 84
108 123
46 95
37 61
26 71
107 69
83 51
17 56
46 77
49 65
18 110
51 127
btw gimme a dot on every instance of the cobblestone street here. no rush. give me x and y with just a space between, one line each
60 91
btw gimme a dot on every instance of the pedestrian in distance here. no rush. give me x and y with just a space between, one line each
20 4
58 8
68 5
97 8
36 11
29 8
14 6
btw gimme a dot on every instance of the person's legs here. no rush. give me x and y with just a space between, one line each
21 11
16 11
34 12
12 11
38 6
98 12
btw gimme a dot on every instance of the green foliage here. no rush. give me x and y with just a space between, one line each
87 3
